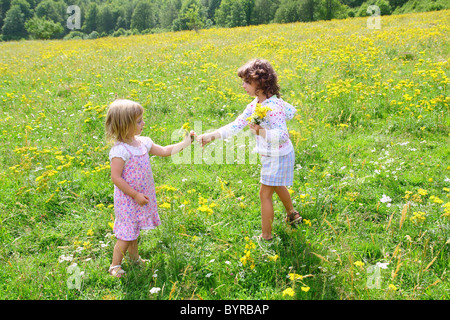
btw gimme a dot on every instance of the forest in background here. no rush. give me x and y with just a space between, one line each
48 19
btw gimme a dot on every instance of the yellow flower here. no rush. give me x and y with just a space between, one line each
90 232
359 264
259 114
418 217
202 200
205 208
307 222
165 205
392 287
289 292
273 258
305 289
294 276
422 192
250 245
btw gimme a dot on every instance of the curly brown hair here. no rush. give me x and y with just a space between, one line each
261 72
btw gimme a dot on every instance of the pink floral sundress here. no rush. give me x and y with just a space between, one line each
130 217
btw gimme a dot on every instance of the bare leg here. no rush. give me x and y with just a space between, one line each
133 250
267 214
120 249
285 197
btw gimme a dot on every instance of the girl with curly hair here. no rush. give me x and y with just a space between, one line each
272 139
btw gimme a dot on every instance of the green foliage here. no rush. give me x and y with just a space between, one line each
371 178
152 16
143 16
40 28
14 24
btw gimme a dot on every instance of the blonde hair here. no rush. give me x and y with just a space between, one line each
121 117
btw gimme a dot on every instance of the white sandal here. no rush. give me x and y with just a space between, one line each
116 271
141 262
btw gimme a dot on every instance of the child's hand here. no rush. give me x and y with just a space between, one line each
206 138
141 199
254 128
190 137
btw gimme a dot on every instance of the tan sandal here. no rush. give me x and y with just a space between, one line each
293 217
116 271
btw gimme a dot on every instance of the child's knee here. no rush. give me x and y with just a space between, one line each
266 192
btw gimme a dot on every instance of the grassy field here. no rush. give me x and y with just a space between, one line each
372 177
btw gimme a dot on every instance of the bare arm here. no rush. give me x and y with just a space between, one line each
169 150
206 138
117 165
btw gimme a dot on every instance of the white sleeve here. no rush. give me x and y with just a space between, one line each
119 151
238 124
147 142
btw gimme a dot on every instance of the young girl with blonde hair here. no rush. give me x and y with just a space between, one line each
135 205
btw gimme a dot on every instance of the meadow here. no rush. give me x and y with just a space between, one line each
372 175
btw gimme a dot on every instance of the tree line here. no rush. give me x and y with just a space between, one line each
50 19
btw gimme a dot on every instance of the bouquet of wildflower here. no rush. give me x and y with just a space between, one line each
259 114
186 129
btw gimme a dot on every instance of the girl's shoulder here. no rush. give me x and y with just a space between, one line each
274 103
146 141
118 150
278 104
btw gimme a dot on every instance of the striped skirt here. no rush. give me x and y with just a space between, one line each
278 171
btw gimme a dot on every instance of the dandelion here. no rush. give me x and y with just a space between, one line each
422 192
186 126
392 287
294 276
205 208
165 205
418 217
288 292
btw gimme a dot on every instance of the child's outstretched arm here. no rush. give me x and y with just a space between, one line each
117 165
169 150
206 138
228 130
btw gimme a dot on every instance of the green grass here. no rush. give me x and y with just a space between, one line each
373 120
